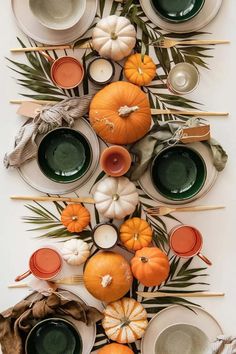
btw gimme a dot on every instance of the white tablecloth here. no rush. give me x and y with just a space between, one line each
217 92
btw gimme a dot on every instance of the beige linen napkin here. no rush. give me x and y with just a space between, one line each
51 117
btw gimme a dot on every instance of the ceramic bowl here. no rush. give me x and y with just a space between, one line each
58 14
182 339
183 78
64 155
178 172
177 10
53 335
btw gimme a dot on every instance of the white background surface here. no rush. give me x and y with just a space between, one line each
217 92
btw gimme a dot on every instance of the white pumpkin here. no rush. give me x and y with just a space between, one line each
114 37
115 197
125 320
75 252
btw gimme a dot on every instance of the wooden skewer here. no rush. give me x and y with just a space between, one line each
55 47
196 294
33 101
188 113
87 200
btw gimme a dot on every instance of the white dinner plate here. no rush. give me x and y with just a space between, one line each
34 29
147 186
32 175
206 15
178 314
88 333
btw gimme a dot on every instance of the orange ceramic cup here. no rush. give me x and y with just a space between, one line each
66 72
115 160
186 242
45 263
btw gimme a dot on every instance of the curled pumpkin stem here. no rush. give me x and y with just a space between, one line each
125 111
106 280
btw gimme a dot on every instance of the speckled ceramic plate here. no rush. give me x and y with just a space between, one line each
206 15
174 315
147 186
32 175
34 29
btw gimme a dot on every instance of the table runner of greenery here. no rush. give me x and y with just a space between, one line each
35 76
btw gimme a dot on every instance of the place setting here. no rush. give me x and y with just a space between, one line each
114 150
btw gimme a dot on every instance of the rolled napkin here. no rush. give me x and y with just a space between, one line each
17 321
163 135
51 117
224 345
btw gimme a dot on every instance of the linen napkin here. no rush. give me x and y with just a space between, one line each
160 137
51 117
224 345
17 321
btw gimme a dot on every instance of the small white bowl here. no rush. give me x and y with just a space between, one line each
182 338
58 14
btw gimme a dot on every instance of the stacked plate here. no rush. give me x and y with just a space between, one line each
180 16
177 330
77 337
147 185
35 27
32 174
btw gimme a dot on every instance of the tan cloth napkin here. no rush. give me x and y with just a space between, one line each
51 117
17 321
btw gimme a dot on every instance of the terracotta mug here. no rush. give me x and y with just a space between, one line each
186 242
66 72
45 263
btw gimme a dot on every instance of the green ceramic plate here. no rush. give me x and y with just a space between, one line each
178 173
53 336
64 155
177 10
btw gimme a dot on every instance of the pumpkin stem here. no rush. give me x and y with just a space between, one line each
144 259
140 71
106 280
125 111
124 322
115 197
114 36
74 218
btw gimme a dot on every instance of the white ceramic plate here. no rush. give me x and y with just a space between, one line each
34 29
147 186
32 175
88 333
206 15
174 315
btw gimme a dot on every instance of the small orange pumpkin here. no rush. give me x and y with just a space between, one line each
75 217
140 70
120 113
135 233
115 348
107 276
150 266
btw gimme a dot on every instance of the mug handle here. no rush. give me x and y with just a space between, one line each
23 276
47 56
205 259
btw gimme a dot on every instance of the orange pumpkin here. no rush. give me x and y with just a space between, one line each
115 348
75 217
125 320
120 113
107 276
140 70
150 266
135 234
